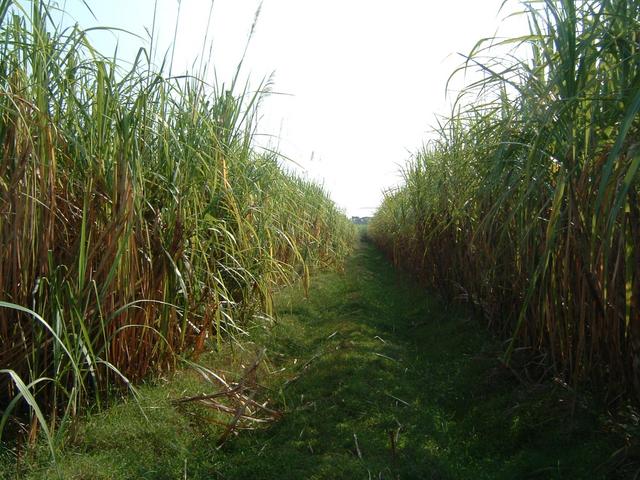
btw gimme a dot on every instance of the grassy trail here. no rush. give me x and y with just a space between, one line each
375 381
418 384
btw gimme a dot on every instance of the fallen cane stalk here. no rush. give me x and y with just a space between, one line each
355 438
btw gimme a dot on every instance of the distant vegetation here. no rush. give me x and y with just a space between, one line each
527 204
137 220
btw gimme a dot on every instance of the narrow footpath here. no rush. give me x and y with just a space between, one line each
376 380
401 385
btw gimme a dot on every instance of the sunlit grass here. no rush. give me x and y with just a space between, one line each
138 222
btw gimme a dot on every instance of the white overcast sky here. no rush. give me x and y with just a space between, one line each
364 78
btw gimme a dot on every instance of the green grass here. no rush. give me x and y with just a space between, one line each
367 356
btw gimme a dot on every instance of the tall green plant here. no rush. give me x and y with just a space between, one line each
527 203
137 220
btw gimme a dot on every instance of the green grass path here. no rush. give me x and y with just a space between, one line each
417 383
376 380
